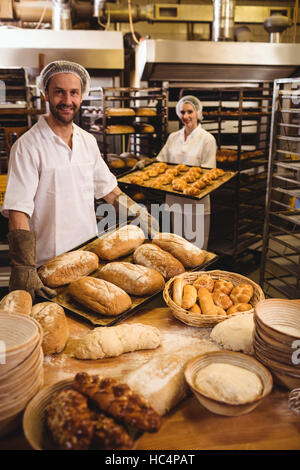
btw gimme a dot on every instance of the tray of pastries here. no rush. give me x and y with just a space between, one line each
189 181
111 276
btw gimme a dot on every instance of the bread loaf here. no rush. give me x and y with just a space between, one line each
120 112
187 253
17 301
152 256
118 400
70 420
52 319
100 296
119 129
133 278
114 341
68 267
119 243
145 112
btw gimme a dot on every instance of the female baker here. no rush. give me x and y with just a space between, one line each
194 146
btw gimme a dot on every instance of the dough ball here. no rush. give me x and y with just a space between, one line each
235 334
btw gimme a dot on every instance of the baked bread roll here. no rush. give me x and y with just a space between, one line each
17 301
178 286
223 286
118 400
207 304
152 256
120 112
119 243
204 281
192 191
189 297
53 321
241 294
114 341
195 309
239 308
117 163
222 300
187 253
100 296
119 129
68 267
70 420
133 278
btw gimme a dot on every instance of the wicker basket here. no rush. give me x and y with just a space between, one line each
194 319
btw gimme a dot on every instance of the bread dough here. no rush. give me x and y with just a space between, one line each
236 333
114 341
228 383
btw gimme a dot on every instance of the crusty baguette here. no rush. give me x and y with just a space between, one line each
114 341
70 420
133 278
187 253
68 267
118 400
53 321
119 243
189 297
154 257
17 301
100 296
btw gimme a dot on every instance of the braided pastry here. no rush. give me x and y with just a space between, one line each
204 281
118 400
191 191
152 173
179 185
70 420
222 300
189 178
108 434
239 308
241 294
223 286
196 170
166 179
136 180
182 168
199 184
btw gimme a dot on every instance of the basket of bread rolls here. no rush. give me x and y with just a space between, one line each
205 298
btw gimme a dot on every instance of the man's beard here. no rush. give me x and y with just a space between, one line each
65 120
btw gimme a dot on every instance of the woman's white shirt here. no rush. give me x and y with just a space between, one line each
199 149
56 186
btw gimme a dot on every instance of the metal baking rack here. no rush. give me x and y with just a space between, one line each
280 265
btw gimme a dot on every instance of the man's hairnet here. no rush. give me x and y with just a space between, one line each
63 66
192 100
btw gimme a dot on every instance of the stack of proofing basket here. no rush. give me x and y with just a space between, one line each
194 319
21 366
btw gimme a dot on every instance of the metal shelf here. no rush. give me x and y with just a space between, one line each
280 264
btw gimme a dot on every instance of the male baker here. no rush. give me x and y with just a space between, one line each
55 173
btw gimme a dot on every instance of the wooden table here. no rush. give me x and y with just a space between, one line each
189 426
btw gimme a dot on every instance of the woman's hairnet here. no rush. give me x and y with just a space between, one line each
192 100
63 66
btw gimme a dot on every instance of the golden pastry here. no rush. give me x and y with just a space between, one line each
204 281
241 294
222 300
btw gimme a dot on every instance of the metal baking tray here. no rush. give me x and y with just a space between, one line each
124 181
96 319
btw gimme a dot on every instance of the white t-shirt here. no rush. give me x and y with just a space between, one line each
199 149
56 186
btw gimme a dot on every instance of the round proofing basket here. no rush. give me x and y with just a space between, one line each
194 319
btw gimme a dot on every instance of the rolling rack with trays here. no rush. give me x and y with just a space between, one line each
238 115
280 266
120 132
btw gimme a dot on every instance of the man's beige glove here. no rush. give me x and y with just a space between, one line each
24 275
129 208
